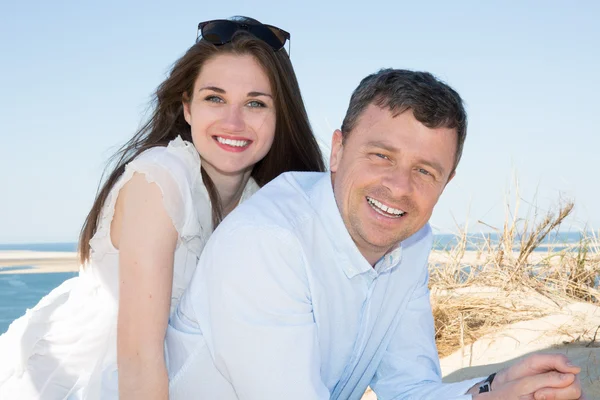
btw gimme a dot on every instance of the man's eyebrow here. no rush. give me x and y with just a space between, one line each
432 164
393 149
382 145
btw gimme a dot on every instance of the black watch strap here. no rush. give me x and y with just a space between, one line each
486 386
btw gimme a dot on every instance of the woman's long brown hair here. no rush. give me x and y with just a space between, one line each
294 146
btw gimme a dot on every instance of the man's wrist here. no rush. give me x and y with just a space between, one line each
482 396
499 380
475 388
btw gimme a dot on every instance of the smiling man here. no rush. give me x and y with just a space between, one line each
316 287
388 171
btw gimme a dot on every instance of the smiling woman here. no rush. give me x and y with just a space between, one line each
228 119
232 117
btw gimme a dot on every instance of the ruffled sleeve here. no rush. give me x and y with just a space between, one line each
176 171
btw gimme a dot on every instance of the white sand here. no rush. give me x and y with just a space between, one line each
471 257
67 261
40 261
569 330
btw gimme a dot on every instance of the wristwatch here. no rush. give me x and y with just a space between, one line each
486 386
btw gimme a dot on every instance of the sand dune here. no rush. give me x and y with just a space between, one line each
571 330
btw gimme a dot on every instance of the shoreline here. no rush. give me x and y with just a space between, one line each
33 262
56 261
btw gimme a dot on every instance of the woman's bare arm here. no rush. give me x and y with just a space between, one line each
146 238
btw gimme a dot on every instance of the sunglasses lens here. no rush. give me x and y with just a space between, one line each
281 35
222 31
268 35
219 32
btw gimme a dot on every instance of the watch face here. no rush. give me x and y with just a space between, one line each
484 388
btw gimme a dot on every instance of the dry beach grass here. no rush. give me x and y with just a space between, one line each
506 300
502 286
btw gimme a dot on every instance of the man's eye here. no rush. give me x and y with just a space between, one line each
424 171
256 103
382 156
214 99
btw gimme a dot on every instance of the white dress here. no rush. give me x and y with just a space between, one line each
65 347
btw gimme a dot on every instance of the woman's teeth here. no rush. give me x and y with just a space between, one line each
231 142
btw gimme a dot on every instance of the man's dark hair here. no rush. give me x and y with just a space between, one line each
433 103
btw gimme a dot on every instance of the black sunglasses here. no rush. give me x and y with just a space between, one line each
221 31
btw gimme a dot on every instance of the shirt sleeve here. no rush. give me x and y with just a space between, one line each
260 322
410 368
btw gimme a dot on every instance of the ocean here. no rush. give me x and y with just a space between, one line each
18 292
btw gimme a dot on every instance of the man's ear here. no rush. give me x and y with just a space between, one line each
337 149
452 175
185 101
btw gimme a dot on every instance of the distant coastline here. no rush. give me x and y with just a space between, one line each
442 241
28 258
53 247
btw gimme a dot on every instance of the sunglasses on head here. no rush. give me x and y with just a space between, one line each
221 31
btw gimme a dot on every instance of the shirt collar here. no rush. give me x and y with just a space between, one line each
390 259
322 200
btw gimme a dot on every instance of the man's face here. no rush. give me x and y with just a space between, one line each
388 176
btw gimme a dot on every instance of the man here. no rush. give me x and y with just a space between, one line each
316 287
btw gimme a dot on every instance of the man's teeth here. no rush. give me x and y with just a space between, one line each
231 142
379 206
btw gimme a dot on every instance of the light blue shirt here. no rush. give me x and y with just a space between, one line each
284 306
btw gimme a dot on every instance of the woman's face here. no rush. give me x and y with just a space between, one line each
231 114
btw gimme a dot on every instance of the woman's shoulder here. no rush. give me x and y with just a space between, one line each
175 168
179 158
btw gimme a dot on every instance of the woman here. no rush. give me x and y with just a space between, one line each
227 120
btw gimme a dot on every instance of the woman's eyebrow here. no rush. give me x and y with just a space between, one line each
223 91
256 94
213 88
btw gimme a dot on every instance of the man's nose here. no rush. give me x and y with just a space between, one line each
399 181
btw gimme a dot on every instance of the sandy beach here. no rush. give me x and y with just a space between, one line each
46 262
27 262
568 329
41 261
571 329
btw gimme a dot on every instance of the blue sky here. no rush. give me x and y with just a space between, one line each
76 79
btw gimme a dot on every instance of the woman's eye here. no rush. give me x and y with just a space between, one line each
256 103
214 99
